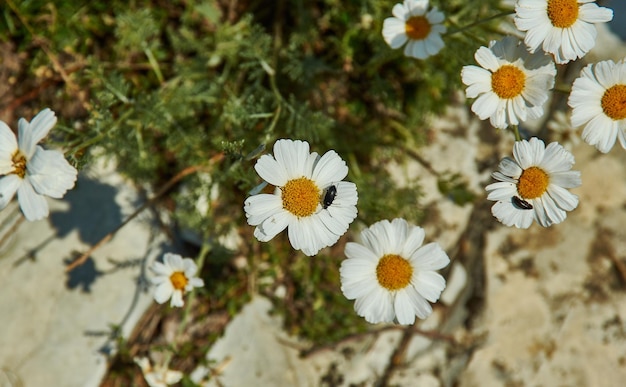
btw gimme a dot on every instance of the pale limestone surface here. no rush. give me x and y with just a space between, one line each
56 327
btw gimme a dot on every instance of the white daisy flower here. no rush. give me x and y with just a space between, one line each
309 199
533 185
598 101
511 84
157 376
31 171
415 23
564 28
391 275
174 277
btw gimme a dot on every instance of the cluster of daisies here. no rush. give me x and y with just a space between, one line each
391 274
511 84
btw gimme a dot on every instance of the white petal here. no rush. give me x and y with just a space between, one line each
30 134
421 307
371 240
9 185
404 308
174 261
272 226
568 179
397 234
510 167
508 215
399 11
271 171
161 270
334 225
477 79
486 105
33 205
376 307
195 283
329 169
501 191
310 235
486 59
554 214
394 32
163 292
292 156
189 267
358 251
8 147
600 133
383 232
262 206
429 257
562 197
592 13
414 240
177 299
428 284
50 173
358 278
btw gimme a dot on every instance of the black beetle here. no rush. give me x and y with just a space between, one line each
521 203
329 196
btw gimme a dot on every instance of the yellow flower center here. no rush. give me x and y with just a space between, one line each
178 280
508 81
563 13
533 183
614 102
300 197
417 27
19 164
394 272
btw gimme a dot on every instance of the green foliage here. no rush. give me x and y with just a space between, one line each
453 186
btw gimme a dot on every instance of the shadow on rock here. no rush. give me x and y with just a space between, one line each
83 276
93 211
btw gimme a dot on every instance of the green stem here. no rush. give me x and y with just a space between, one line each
518 137
496 16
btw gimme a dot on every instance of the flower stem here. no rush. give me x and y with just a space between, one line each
478 22
518 137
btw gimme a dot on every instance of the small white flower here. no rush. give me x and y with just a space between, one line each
309 199
391 275
511 84
413 22
533 186
158 376
31 171
598 101
174 277
564 28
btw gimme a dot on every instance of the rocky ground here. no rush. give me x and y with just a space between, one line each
536 307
